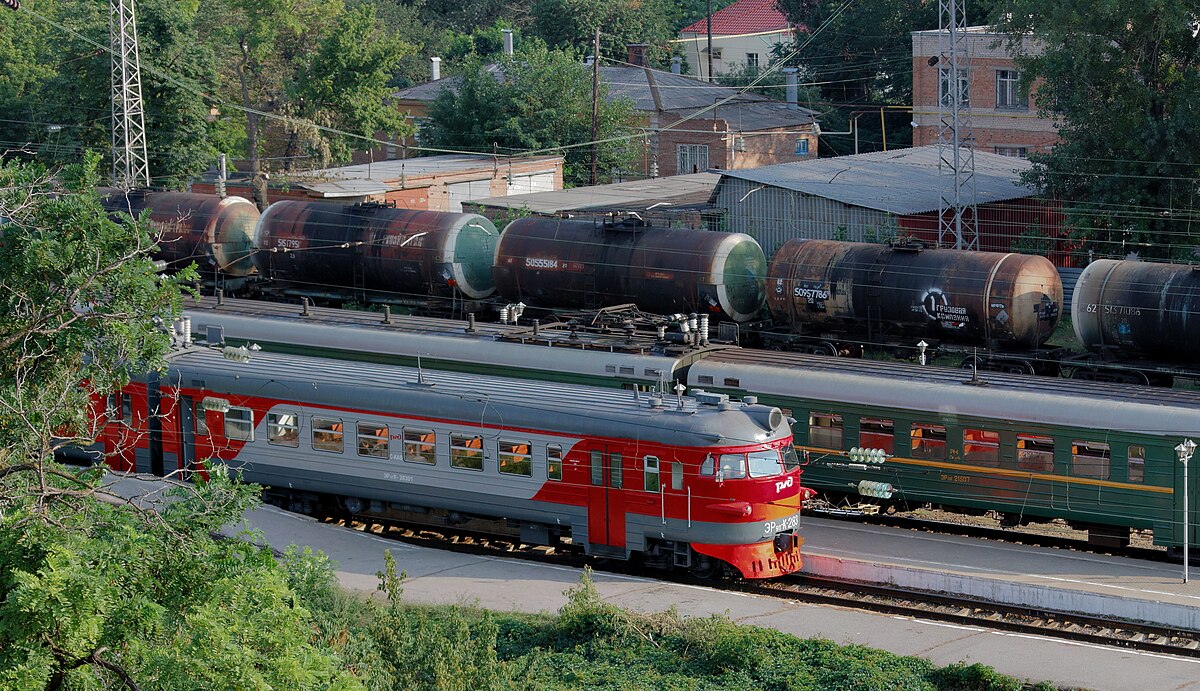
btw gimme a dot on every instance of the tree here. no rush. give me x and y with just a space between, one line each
1121 79
537 99
297 66
56 92
861 55
572 24
95 590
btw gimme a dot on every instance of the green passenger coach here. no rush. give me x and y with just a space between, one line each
1101 456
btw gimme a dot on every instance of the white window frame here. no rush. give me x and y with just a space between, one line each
651 468
964 84
1008 91
278 429
459 450
328 426
554 459
234 423
689 155
377 445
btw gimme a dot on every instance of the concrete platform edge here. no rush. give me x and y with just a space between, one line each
997 591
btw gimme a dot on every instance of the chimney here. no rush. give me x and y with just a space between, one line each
435 69
636 54
508 41
793 91
676 65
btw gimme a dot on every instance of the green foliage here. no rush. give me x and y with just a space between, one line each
543 100
1120 79
571 24
861 55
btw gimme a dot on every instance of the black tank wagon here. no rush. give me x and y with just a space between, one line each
584 264
374 252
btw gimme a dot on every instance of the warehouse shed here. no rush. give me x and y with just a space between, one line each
877 196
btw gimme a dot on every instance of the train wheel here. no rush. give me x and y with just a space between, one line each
705 568
972 362
1084 373
826 348
1017 367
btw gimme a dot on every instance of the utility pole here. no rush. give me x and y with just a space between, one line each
708 19
130 168
595 101
956 141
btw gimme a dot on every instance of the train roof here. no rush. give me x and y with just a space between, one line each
364 387
949 391
557 346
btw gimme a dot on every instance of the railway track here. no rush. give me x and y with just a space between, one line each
881 599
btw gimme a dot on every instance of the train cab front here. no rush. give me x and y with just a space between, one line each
752 493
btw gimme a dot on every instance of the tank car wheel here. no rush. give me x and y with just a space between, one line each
1017 367
826 348
971 362
1084 373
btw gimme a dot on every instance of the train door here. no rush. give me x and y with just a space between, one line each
606 502
187 433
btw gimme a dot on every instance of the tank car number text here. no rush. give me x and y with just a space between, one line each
790 523
1115 309
963 479
811 293
289 243
540 263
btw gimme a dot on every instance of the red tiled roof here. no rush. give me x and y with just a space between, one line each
742 17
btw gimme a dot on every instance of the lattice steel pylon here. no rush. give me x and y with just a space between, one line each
130 168
956 140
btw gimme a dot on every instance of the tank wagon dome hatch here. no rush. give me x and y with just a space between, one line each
993 298
1138 309
213 231
572 264
401 253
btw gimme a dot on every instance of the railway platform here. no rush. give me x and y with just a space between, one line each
1114 587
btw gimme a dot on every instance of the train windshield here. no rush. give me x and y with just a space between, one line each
790 460
765 463
733 466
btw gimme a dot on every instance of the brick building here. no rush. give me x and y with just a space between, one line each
1004 110
733 130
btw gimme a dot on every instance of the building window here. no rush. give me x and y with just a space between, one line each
945 96
1008 90
390 152
752 62
1012 151
716 53
283 429
801 147
691 158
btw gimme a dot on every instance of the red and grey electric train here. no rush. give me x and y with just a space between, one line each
694 482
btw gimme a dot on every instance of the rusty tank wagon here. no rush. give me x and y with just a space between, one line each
374 252
841 292
1139 310
216 233
566 264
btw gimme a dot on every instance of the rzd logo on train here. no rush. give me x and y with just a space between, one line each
784 484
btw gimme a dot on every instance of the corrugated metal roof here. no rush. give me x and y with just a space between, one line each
391 170
742 17
902 181
639 195
681 95
335 189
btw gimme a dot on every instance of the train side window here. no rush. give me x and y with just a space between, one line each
730 381
706 379
651 473
466 451
283 429
201 418
677 475
733 466
1035 453
981 447
1137 463
825 430
598 468
1089 459
515 457
928 442
614 470
127 410
766 463
239 424
372 440
877 434
554 456
327 434
110 406
709 467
